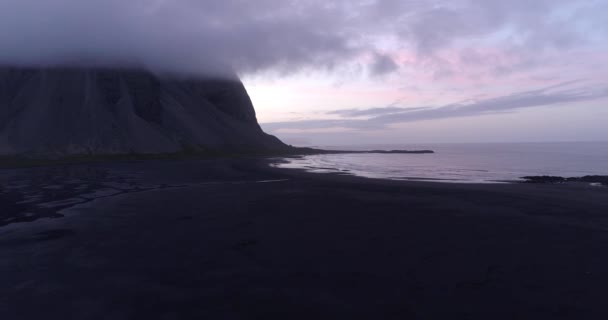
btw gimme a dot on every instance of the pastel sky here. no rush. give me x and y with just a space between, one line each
450 71
324 72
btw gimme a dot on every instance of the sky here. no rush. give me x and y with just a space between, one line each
323 72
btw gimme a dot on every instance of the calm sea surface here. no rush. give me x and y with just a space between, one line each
485 163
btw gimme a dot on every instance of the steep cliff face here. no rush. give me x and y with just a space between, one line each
68 111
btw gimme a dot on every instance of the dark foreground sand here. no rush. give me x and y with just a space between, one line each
233 239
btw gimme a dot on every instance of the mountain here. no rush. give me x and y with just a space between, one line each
62 111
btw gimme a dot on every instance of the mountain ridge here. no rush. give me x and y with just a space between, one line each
66 111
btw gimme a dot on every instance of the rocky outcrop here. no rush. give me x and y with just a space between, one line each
603 180
74 111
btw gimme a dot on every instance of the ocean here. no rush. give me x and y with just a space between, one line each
462 163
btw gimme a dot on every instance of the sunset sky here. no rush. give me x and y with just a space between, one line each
355 71
453 71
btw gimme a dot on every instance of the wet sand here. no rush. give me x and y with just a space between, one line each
235 239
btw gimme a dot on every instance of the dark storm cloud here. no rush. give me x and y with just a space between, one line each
252 36
548 96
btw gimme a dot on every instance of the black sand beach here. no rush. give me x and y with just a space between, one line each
235 239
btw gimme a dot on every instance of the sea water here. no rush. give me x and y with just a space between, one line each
468 163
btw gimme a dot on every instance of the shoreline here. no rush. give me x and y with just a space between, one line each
98 181
25 161
593 180
235 237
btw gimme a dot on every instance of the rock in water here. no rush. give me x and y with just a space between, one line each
76 111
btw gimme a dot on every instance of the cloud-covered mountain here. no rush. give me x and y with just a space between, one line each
68 111
450 50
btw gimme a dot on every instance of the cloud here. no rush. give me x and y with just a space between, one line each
383 64
354 113
315 130
183 35
561 93
282 36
